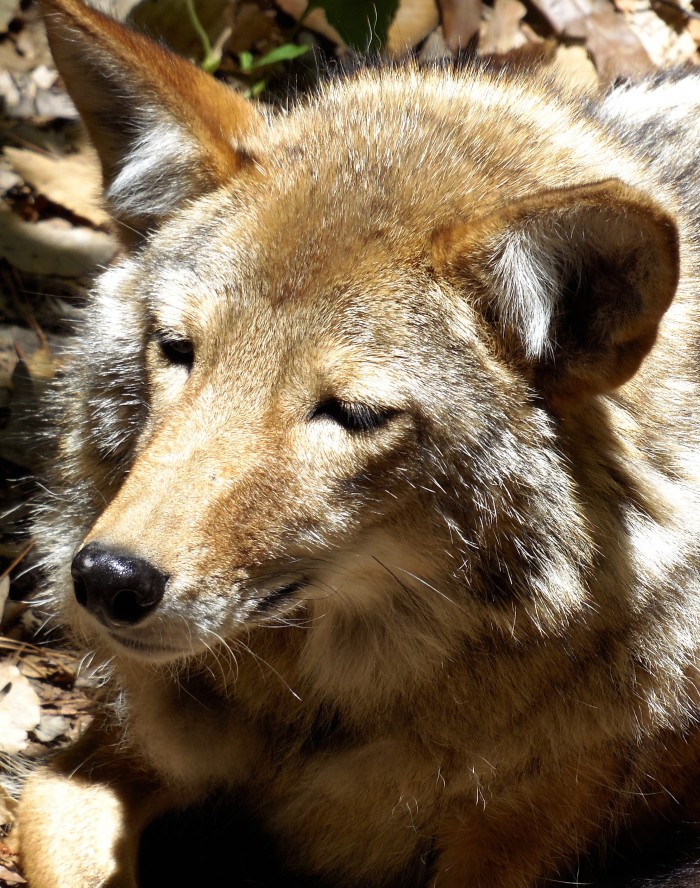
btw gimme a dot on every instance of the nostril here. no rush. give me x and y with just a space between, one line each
79 588
126 607
116 586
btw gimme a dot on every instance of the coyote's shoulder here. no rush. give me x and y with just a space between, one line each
377 470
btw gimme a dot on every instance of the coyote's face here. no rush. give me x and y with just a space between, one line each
343 340
295 393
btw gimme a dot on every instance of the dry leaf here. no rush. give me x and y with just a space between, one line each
414 20
72 182
19 709
628 5
53 247
435 49
576 67
502 33
22 98
10 878
38 360
44 77
41 364
461 20
4 593
8 355
316 20
8 10
562 13
694 29
50 728
664 45
254 29
171 22
614 47
8 808
121 8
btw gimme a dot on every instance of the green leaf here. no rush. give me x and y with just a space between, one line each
257 88
283 53
245 61
363 24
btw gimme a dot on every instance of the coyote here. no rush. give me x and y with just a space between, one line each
376 472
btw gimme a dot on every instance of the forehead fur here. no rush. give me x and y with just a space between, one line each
355 180
409 147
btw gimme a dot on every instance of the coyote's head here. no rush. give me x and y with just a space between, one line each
328 377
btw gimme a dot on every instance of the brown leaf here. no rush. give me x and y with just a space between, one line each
28 346
10 877
8 10
254 29
461 20
665 45
316 20
414 20
502 31
42 364
694 29
23 97
8 354
562 13
4 592
615 48
8 808
171 21
53 246
72 182
50 728
576 67
629 5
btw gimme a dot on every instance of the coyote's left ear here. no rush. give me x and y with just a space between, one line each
576 281
164 130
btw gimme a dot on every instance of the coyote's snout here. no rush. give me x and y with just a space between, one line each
376 475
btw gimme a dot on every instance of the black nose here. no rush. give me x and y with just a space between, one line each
116 587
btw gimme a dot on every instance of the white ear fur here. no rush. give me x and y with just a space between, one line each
528 269
156 173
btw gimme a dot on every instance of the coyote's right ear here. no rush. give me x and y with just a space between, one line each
164 130
576 281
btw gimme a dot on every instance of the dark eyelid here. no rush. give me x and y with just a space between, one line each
175 348
353 416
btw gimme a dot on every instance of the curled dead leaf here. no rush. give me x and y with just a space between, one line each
414 20
502 32
53 246
72 182
461 20
19 709
614 47
316 20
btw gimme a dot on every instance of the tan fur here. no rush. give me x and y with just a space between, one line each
488 662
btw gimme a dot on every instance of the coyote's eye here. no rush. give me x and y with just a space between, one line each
353 417
175 351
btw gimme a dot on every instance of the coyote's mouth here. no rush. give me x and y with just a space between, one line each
150 650
263 605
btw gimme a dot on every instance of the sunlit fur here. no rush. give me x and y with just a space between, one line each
489 663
